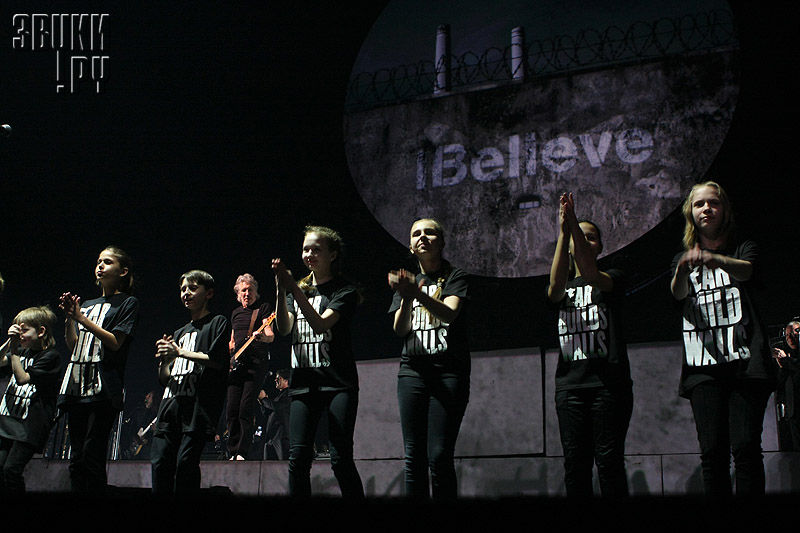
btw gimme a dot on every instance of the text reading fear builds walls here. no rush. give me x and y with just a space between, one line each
712 328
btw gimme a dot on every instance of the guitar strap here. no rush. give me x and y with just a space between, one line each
252 322
249 329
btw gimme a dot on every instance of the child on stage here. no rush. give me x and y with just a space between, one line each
99 333
29 403
193 363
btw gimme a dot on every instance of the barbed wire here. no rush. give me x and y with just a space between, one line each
590 48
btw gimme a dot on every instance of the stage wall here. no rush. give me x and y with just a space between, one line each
508 445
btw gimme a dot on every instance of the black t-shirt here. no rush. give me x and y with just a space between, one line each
195 392
788 389
94 372
592 347
27 411
433 345
257 352
723 337
324 362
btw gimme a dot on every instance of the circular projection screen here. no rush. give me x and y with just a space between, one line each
489 158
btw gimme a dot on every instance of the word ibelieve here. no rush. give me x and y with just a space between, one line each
450 163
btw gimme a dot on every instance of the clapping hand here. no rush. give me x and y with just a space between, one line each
403 282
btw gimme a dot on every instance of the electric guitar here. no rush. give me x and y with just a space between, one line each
235 363
141 433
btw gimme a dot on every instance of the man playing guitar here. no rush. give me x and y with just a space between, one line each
249 354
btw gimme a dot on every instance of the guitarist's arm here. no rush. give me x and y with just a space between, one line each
265 333
265 327
140 436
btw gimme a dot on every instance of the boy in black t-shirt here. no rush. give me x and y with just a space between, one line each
193 365
28 406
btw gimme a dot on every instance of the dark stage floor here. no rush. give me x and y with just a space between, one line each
216 508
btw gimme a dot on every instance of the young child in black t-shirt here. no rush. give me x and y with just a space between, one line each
317 312
434 374
193 365
594 396
28 406
98 334
727 373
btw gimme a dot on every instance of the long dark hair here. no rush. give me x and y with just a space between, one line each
125 261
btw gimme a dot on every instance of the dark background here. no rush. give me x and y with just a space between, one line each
218 135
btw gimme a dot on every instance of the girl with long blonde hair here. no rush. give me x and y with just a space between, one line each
727 372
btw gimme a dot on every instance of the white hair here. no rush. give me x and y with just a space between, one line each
245 278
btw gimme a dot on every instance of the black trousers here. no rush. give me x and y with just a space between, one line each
14 455
304 416
89 428
176 462
239 412
431 410
593 424
789 434
729 417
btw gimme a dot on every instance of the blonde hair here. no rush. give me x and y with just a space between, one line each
37 317
335 244
690 238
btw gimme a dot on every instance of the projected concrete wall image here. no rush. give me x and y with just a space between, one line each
490 160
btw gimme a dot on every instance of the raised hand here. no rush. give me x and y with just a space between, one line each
397 277
166 347
13 333
283 276
71 305
65 301
567 209
403 282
